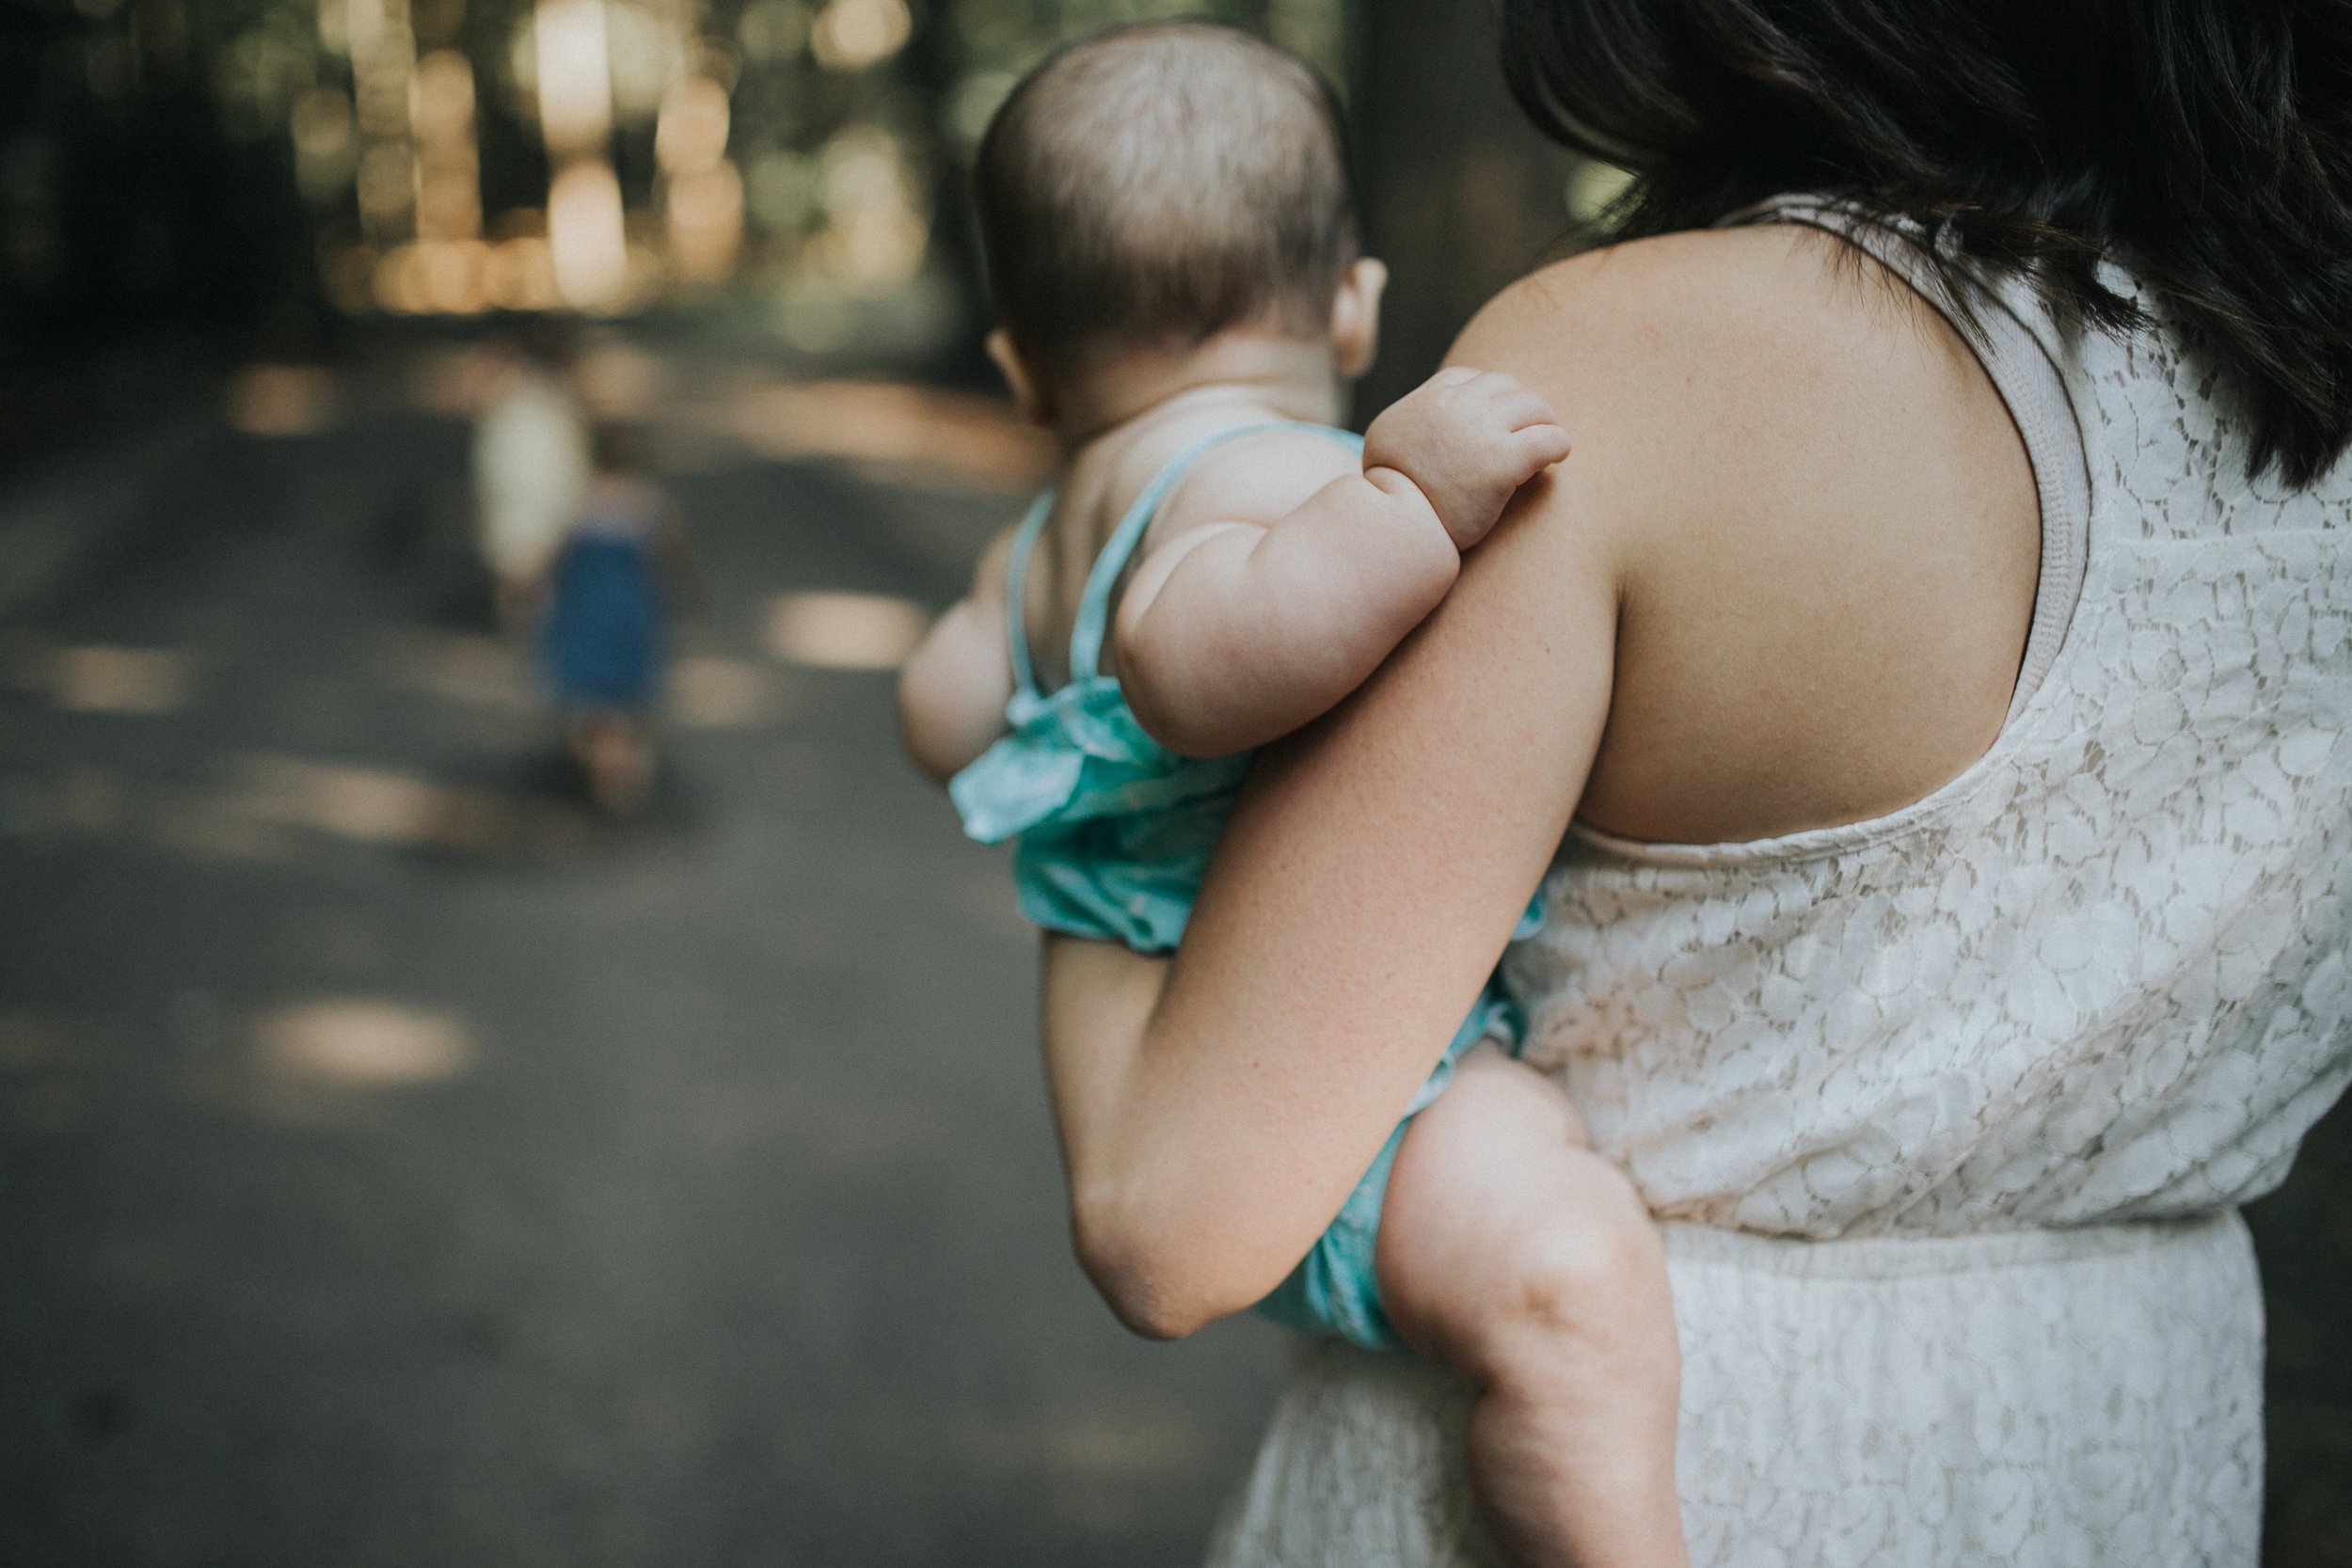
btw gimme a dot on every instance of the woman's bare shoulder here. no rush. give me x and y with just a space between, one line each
1792 467
1769 361
1710 311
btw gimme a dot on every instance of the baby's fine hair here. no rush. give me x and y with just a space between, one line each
1156 184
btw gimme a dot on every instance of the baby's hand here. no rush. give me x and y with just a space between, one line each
1468 439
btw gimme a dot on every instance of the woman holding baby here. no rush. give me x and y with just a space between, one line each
1920 700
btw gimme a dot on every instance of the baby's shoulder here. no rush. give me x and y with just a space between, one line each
1258 478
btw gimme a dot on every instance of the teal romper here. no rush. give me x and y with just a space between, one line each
1115 832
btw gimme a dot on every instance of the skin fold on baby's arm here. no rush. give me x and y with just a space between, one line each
1236 632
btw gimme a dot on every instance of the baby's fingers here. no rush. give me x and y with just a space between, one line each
1537 446
1509 398
1521 408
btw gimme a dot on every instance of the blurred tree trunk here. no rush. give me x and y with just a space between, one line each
125 207
1461 195
934 66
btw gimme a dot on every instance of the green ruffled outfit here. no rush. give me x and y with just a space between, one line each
1114 834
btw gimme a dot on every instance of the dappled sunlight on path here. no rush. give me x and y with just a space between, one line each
490 1183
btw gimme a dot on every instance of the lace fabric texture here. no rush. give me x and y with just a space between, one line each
2068 1011
2036 1399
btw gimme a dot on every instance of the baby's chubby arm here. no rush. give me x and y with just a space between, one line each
953 690
1235 632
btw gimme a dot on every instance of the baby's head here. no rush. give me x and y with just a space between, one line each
1150 189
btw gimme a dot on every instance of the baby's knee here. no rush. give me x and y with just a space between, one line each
1574 1271
1592 1283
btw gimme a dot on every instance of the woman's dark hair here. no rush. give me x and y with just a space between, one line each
2205 143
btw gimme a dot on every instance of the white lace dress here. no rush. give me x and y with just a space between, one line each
1947 1114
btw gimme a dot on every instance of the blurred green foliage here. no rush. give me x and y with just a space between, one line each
215 159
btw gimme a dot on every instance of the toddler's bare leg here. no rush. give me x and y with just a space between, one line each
1512 1254
613 751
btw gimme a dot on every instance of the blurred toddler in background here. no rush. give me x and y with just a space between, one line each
604 620
531 464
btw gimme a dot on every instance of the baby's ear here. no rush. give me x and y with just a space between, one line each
1356 316
1026 385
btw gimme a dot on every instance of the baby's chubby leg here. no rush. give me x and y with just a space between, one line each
1512 1254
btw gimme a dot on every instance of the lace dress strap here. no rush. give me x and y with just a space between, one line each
1996 323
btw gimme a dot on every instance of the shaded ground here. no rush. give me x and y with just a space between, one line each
398 1166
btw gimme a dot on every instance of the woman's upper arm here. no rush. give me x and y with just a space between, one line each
1362 892
1370 875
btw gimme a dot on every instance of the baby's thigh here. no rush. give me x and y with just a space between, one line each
1499 1222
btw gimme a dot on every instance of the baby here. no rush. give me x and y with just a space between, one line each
1171 252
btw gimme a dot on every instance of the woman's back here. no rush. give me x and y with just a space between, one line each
2098 976
1819 516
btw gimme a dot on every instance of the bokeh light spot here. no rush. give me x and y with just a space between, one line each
282 400
911 431
372 805
852 35
722 693
366 1043
845 631
118 680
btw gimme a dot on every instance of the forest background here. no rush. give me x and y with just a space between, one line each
786 172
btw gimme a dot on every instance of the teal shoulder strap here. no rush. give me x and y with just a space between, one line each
1017 592
1094 605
